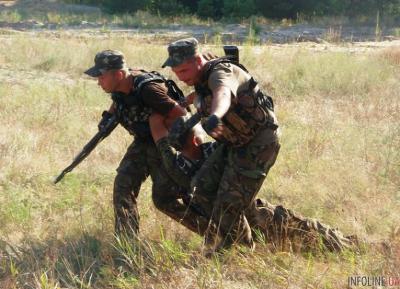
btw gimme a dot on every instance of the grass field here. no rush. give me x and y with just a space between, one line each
340 118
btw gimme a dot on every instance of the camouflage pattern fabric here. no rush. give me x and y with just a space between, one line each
141 160
246 115
180 51
180 129
187 213
169 157
134 118
237 177
276 225
106 60
231 185
288 231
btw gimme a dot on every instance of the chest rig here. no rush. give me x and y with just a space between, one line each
250 111
132 112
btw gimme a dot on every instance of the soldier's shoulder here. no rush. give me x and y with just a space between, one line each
153 87
217 69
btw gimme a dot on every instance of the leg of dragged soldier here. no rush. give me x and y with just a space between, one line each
167 196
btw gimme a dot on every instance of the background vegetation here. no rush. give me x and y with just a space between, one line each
279 9
340 118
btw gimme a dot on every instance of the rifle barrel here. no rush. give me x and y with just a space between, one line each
89 147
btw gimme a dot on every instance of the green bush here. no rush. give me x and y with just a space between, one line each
239 8
166 7
206 9
279 9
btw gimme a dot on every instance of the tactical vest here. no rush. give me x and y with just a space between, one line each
190 167
132 112
250 111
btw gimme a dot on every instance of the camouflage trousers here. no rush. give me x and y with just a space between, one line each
276 225
288 231
141 160
229 181
191 215
226 187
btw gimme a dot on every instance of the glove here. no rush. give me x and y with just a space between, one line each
210 123
105 116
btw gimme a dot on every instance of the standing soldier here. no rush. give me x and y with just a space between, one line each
135 95
237 113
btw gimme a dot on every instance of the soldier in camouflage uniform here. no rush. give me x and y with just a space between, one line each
278 226
238 114
134 97
182 165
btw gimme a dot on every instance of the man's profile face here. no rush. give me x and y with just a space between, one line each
188 72
108 81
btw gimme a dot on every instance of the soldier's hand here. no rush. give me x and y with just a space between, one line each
213 126
105 116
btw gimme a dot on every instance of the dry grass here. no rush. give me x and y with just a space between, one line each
339 115
392 55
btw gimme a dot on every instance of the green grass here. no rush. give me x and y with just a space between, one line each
339 162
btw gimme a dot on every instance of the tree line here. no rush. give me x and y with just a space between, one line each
278 9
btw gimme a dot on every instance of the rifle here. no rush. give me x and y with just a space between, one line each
89 147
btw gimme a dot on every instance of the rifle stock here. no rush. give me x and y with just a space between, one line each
89 147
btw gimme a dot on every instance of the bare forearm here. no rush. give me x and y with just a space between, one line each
176 112
157 127
221 101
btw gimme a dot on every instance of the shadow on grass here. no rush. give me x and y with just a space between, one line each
75 262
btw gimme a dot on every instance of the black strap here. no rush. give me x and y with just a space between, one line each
173 90
142 79
215 62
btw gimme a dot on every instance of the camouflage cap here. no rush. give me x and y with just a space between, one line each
106 60
181 50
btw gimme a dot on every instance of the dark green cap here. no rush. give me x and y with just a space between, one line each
106 60
180 51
